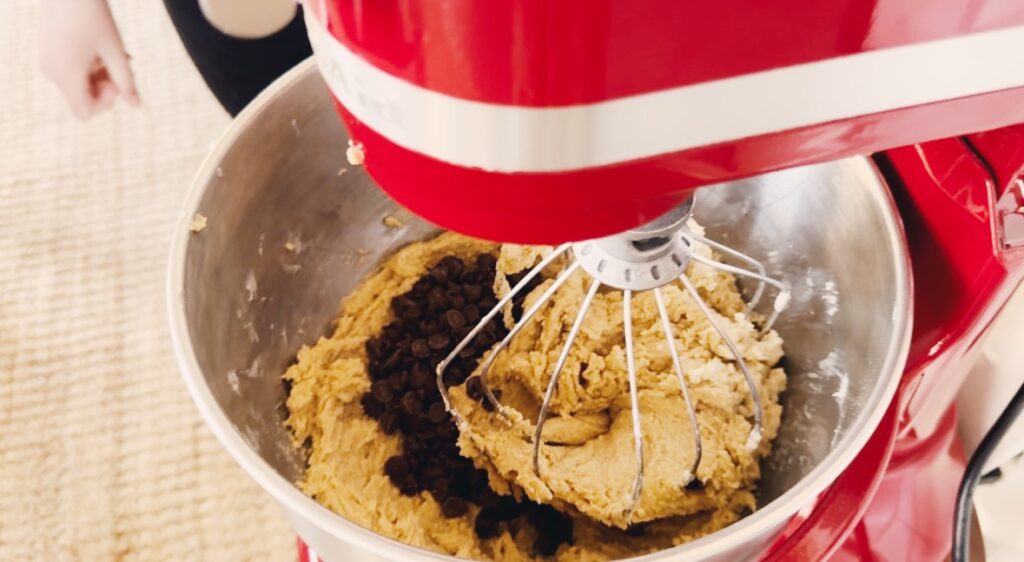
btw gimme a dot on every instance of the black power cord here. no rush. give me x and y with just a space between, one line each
965 495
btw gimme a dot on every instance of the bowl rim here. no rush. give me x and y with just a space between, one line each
773 515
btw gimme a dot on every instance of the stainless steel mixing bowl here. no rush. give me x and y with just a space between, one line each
290 233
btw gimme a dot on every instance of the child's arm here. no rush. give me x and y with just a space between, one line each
80 51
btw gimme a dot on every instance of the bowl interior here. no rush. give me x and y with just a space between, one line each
293 228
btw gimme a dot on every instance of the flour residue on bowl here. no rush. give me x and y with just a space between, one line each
254 369
233 380
831 368
293 243
250 286
830 294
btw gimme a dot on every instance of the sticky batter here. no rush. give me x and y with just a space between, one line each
587 464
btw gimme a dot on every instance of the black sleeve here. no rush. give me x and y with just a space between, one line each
237 69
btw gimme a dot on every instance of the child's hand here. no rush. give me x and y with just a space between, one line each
80 51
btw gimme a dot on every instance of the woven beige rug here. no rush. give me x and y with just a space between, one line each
102 454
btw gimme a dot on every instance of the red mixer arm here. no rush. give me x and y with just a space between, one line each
540 121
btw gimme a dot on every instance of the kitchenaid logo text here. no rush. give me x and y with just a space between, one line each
346 81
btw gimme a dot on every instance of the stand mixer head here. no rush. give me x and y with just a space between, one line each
534 122
501 144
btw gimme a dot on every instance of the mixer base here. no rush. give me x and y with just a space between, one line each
910 516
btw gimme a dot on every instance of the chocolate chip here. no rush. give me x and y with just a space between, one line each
382 391
457 300
475 388
409 487
399 303
439 489
428 327
412 403
433 469
439 273
406 308
454 507
554 528
374 348
547 544
636 530
392 332
371 406
487 524
436 413
515 278
420 348
422 285
453 265
453 375
695 485
488 497
509 508
412 444
486 340
389 422
486 404
473 292
393 360
487 302
439 341
436 299
420 376
397 468
486 261
446 431
398 380
472 313
422 427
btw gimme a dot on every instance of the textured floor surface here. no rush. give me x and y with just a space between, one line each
102 454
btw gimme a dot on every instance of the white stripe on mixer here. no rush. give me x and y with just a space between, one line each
506 138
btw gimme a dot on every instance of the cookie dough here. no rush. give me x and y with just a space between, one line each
588 464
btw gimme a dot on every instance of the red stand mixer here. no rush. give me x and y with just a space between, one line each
544 122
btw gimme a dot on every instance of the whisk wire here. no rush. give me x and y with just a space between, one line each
691 473
754 438
557 373
755 299
781 299
634 402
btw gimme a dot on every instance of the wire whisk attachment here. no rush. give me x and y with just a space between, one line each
645 259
